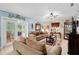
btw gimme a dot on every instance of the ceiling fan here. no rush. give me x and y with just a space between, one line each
71 4
52 15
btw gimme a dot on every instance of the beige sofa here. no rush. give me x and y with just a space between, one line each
24 49
33 47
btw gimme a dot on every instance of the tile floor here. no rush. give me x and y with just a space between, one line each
8 51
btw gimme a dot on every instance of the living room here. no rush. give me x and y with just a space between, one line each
38 28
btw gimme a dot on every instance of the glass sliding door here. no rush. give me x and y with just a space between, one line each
8 31
11 29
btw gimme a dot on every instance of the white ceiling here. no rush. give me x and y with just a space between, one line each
38 10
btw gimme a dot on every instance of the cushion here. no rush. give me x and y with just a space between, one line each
35 44
22 39
32 38
53 50
31 35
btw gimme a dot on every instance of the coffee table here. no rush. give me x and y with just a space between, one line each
50 40
44 41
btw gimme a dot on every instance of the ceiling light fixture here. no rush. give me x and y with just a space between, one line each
52 15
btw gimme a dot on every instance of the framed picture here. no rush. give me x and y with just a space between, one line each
37 26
